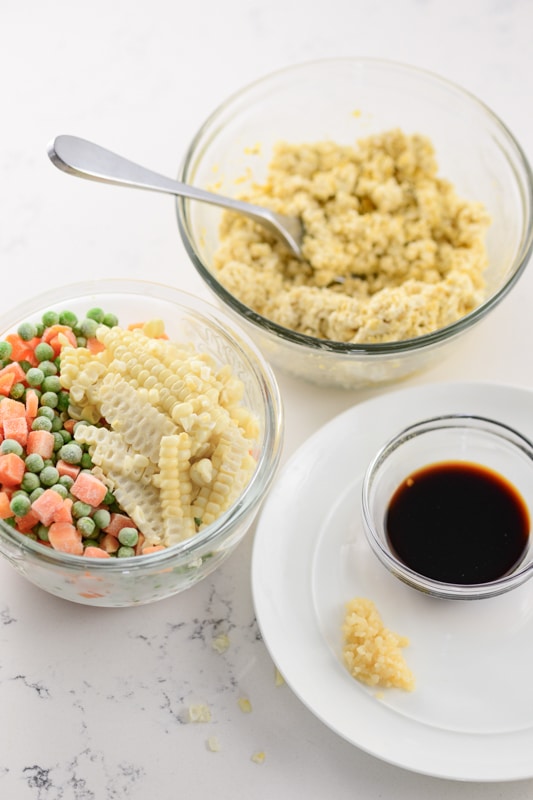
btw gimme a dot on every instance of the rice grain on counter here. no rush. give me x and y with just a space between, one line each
390 250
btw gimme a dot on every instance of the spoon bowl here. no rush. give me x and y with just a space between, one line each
85 159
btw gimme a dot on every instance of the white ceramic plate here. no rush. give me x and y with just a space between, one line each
471 714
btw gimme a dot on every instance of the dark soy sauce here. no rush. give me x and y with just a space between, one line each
458 523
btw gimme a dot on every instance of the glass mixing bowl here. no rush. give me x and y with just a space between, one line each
146 578
342 100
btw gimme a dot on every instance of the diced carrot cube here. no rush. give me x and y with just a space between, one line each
69 425
41 442
109 543
47 505
152 548
117 522
16 428
89 489
12 469
5 510
10 408
72 470
57 336
64 512
94 345
20 350
32 405
6 383
65 537
16 370
26 523
95 552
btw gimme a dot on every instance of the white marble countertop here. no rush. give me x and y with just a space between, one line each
92 701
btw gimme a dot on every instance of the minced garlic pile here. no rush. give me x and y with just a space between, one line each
391 252
371 652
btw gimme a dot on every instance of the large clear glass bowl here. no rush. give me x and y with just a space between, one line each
316 101
144 579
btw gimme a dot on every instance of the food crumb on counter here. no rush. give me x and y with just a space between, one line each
390 250
199 713
221 643
371 652
259 757
279 680
213 744
245 705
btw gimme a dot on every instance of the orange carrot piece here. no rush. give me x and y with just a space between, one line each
95 552
140 544
69 425
12 469
94 345
117 522
27 522
41 442
5 510
16 370
47 505
20 350
16 428
64 512
152 548
55 335
89 489
72 470
6 383
32 405
109 543
65 537
11 408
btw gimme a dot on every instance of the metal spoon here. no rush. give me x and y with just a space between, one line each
88 160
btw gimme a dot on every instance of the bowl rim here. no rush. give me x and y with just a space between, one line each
431 586
402 346
269 457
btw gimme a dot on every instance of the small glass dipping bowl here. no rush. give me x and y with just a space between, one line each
461 440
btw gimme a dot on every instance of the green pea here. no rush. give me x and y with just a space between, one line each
30 481
11 446
49 399
5 350
51 383
71 453
80 509
39 329
86 526
109 498
41 424
61 490
35 376
36 493
91 543
11 521
27 331
65 435
48 368
102 518
128 537
97 314
49 476
44 411
81 341
50 318
63 401
68 318
66 481
58 440
17 391
57 426
34 462
42 533
86 461
110 320
20 505
44 352
88 328
125 552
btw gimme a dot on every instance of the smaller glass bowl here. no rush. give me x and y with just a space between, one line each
462 441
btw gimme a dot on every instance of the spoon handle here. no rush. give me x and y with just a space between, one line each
88 160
